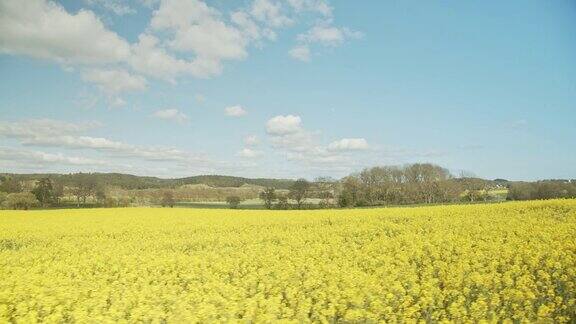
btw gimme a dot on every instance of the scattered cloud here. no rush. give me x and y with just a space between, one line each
118 7
301 53
49 133
196 28
328 35
249 153
282 125
250 28
86 100
114 82
172 115
251 140
183 37
297 144
270 13
288 137
322 34
319 6
45 30
235 111
115 149
300 140
38 128
149 3
349 144
151 60
39 158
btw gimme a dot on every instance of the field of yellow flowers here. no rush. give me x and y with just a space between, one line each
510 261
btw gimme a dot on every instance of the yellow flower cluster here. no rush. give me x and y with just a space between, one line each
510 262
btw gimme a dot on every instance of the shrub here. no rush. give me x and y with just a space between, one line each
233 201
168 199
282 202
21 200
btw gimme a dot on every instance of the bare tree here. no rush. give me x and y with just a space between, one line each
85 186
299 191
168 199
414 183
325 189
268 196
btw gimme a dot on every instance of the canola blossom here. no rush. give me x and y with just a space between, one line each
510 262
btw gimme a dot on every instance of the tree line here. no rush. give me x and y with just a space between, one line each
47 192
545 189
131 182
421 183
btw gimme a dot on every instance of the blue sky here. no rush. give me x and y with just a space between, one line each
288 88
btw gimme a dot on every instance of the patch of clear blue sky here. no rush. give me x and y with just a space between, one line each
491 85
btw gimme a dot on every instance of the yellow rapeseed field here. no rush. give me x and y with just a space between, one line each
511 262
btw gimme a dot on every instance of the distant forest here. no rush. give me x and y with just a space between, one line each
421 183
128 181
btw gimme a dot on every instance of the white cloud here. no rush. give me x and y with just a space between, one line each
283 125
149 3
116 102
113 82
76 142
35 128
349 144
181 13
302 146
117 156
319 157
150 59
319 6
183 38
52 133
288 135
45 30
270 13
234 111
249 28
118 7
114 148
299 140
41 158
199 29
328 35
251 140
322 34
301 53
211 40
249 153
171 114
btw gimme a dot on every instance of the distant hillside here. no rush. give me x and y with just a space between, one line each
228 181
128 181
